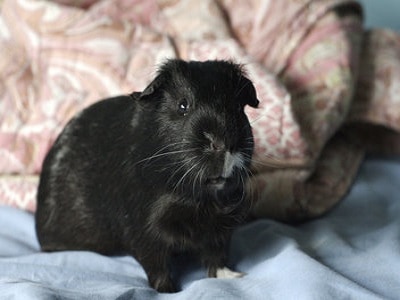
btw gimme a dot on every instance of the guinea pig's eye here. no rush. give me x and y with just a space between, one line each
183 107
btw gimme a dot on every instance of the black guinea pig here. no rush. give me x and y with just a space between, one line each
154 173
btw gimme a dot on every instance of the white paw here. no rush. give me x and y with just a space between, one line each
228 273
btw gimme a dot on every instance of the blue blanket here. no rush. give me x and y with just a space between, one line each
351 253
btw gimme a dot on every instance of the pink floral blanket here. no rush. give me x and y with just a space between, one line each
328 89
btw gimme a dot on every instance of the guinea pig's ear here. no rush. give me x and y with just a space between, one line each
248 93
152 88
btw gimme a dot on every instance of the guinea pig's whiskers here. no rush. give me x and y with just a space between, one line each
260 163
242 196
183 164
183 178
202 173
196 176
255 121
253 192
168 146
199 174
243 86
247 157
272 163
163 154
249 187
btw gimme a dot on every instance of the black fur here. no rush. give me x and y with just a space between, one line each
141 174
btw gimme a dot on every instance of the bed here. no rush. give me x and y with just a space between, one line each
351 253
326 192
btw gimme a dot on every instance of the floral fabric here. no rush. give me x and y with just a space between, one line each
322 81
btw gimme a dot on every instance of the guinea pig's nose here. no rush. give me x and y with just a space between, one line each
215 144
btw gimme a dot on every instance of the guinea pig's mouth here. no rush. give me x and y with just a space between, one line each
216 182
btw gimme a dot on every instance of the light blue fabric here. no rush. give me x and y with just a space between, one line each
351 253
382 13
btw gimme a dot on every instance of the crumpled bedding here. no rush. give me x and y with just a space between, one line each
328 89
351 253
329 95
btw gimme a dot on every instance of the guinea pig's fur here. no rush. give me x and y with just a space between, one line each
154 173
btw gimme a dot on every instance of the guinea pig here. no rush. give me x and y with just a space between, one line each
154 173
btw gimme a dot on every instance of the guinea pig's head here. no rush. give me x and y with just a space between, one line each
204 136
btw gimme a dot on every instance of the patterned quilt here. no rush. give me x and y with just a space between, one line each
328 88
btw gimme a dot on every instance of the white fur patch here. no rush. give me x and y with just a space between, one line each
227 273
232 161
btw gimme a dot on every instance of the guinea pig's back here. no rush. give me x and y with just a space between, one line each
81 164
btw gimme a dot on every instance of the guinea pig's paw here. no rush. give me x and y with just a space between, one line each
163 284
227 273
